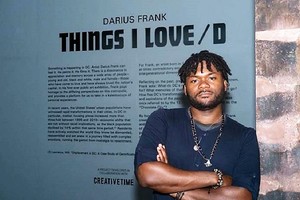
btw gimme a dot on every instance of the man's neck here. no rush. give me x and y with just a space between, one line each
207 117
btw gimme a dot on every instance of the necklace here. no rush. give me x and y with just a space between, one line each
197 146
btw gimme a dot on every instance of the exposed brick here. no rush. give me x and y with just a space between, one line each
268 184
278 97
297 98
282 131
272 14
272 132
278 181
288 165
280 195
275 57
270 157
290 183
296 155
264 86
274 105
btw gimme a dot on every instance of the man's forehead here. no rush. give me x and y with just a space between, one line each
205 68
204 73
204 64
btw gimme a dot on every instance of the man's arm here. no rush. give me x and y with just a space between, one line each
222 193
164 178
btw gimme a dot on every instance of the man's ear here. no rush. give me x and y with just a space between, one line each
184 89
226 85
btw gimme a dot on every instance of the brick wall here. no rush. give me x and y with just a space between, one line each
278 97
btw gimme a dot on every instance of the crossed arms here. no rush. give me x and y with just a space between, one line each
162 177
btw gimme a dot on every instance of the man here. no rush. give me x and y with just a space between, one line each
199 152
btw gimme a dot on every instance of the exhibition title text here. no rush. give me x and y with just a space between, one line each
148 37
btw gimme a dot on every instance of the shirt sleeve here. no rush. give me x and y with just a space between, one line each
247 171
153 134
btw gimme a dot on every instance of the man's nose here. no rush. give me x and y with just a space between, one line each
203 83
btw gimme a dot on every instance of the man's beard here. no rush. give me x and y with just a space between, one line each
207 105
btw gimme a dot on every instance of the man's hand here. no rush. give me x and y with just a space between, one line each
162 154
162 157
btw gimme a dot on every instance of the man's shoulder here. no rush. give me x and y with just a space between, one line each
235 125
170 113
240 132
170 110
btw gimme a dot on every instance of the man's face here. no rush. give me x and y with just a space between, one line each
205 90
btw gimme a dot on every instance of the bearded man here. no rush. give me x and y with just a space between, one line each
198 152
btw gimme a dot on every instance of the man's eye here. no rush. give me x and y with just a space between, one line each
212 78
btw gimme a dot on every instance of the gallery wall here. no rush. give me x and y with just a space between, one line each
79 79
